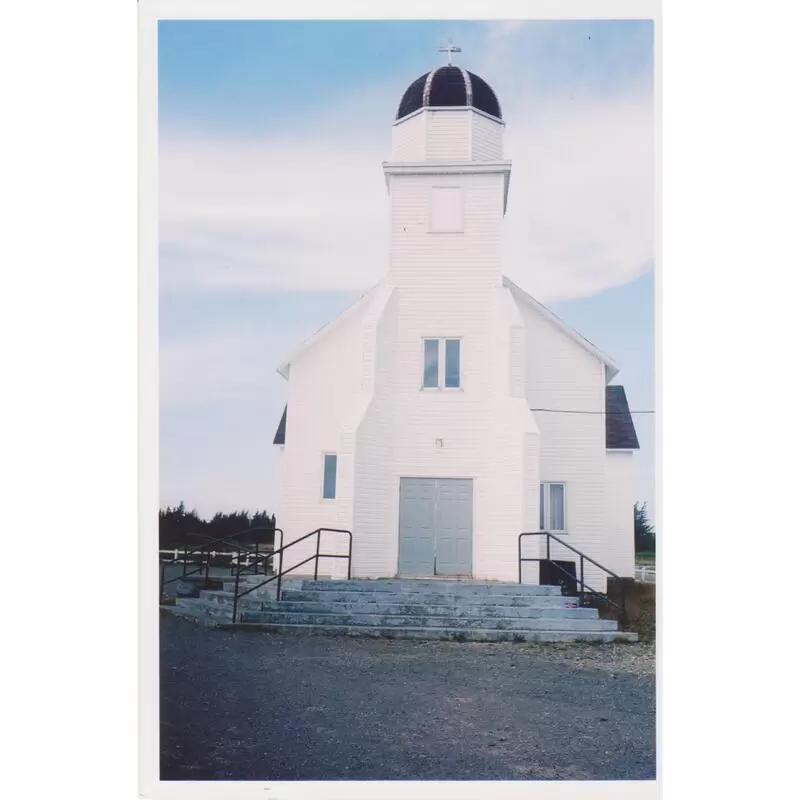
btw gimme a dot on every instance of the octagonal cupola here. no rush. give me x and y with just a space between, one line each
448 114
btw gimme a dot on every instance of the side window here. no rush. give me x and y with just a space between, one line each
329 477
552 507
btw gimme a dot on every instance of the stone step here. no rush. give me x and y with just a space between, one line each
476 588
452 634
409 621
393 606
223 610
218 615
433 598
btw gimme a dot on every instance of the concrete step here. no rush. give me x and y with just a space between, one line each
409 585
408 621
392 605
432 598
452 634
437 609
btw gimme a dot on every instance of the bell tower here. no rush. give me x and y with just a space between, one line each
447 181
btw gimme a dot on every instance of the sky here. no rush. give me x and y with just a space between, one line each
273 213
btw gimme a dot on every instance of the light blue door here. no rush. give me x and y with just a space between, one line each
435 526
417 532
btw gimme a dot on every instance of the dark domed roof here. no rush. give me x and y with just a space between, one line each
449 86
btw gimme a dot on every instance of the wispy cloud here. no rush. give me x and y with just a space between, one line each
310 211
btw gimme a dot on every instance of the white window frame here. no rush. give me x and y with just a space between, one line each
441 364
544 512
324 499
431 227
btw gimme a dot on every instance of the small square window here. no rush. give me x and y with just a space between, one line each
329 477
552 507
447 210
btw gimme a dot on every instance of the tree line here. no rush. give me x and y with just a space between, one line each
179 527
644 533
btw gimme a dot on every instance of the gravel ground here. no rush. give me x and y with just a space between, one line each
258 706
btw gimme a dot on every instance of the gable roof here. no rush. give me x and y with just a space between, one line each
280 434
611 368
321 333
620 432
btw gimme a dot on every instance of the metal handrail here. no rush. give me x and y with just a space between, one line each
237 595
206 550
583 557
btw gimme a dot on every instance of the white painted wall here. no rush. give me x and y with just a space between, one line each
486 138
561 374
408 139
619 512
358 390
447 135
324 381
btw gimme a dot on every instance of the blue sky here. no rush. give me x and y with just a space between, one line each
273 209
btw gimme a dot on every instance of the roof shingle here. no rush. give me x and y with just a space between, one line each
620 432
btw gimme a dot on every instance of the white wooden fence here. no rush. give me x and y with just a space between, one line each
177 556
647 574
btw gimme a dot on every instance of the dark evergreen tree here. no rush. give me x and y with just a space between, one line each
644 534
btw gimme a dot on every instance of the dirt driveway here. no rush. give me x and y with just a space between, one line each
256 706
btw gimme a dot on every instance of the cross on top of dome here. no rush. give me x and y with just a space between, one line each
449 48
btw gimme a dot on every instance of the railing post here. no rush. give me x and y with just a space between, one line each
185 557
624 607
582 580
161 584
208 566
256 561
235 595
547 537
349 555
519 557
316 559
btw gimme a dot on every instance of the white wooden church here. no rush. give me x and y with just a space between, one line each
447 410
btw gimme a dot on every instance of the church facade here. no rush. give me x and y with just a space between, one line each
447 411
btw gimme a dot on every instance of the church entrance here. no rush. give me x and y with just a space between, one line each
435 527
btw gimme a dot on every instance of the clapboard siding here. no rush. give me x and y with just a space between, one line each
330 369
563 376
447 135
619 512
357 390
486 139
408 139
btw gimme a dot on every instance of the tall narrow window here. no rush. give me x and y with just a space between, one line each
329 477
552 507
430 378
452 363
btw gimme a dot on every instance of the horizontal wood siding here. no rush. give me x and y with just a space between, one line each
448 136
487 139
323 383
408 139
619 512
562 375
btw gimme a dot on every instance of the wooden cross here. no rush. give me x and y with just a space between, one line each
449 48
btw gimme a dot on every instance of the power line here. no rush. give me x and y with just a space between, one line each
604 413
